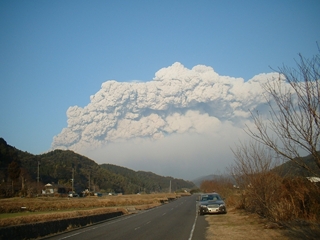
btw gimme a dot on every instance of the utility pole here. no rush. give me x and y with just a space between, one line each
170 187
38 176
72 180
89 182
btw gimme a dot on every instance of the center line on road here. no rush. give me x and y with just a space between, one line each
71 235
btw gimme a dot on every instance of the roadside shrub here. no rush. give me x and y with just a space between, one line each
301 200
281 199
221 185
265 192
261 193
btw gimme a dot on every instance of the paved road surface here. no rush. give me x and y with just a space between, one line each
175 220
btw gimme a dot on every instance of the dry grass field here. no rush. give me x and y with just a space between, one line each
15 211
237 224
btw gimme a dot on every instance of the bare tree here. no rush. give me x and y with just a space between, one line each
260 187
294 124
252 159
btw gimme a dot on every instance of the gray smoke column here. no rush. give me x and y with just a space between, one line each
180 115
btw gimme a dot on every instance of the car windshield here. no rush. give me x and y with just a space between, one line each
210 197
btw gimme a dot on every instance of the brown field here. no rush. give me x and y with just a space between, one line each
15 211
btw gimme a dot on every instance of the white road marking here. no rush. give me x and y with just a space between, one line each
194 225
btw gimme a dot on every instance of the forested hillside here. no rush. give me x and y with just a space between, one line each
290 168
26 174
148 181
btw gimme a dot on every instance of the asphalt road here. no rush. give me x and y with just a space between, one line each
175 220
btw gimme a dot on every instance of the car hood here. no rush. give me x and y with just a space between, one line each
211 202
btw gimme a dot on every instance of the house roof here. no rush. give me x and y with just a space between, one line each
314 179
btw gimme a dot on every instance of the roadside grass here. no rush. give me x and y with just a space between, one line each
27 213
43 217
238 224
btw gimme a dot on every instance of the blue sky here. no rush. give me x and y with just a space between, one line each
55 54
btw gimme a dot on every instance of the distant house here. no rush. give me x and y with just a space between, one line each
313 179
51 189
48 189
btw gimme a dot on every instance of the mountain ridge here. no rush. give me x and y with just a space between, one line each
78 172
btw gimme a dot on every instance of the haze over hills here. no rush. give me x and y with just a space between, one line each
60 166
287 169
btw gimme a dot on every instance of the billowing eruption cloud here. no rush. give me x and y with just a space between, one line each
182 123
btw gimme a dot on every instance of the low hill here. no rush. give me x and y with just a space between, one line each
61 167
148 181
290 168
287 169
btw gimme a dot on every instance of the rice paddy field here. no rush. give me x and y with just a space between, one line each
16 211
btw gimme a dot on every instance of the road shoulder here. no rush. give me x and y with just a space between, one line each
237 224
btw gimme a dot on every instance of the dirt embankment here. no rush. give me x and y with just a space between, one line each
41 229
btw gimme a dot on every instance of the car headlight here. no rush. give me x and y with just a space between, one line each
203 206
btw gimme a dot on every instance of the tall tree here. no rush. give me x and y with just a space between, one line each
294 101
